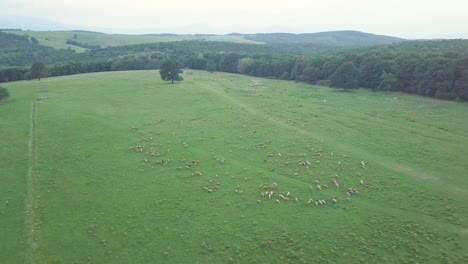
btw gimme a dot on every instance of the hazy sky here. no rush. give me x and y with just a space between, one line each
402 18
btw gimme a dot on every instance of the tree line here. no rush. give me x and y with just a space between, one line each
430 68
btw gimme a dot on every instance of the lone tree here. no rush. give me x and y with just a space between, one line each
3 93
38 70
346 76
170 71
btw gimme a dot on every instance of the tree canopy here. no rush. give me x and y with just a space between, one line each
171 70
38 70
3 93
346 76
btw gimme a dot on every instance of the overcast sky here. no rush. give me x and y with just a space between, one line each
401 18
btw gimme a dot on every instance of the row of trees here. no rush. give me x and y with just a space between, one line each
440 75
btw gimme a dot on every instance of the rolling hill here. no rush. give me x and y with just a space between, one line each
347 38
323 40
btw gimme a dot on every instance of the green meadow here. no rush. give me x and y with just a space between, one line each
58 39
122 167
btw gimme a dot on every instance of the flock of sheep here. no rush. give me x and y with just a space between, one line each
270 192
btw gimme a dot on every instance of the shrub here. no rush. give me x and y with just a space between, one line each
3 93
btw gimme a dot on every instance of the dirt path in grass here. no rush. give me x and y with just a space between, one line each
370 158
29 216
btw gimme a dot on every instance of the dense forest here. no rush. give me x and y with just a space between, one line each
436 68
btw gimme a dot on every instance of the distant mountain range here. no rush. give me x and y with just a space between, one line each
32 23
347 38
332 38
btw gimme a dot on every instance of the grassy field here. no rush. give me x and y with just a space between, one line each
124 168
58 39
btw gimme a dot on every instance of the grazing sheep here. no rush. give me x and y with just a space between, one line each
259 202
295 174
362 182
319 187
283 197
317 181
324 185
336 183
279 154
297 200
278 201
335 200
287 194
349 199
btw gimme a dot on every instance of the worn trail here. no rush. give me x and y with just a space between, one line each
29 218
382 161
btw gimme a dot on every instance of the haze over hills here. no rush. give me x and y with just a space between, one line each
32 23
335 39
343 38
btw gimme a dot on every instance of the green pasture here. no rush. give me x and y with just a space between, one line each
58 39
122 167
